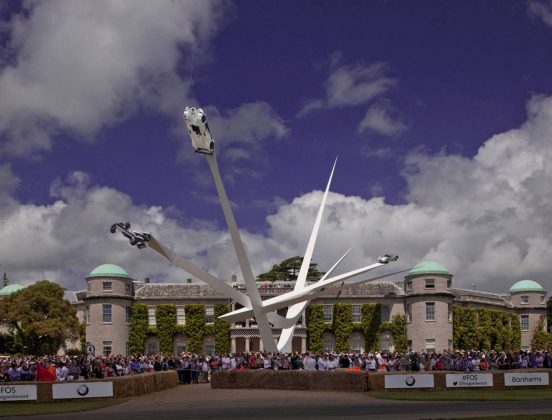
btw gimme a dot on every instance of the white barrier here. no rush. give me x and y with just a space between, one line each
82 390
409 381
18 392
526 379
469 380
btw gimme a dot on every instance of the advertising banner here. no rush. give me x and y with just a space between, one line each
409 381
82 390
17 392
469 380
526 378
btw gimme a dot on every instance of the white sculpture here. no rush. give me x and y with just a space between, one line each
263 311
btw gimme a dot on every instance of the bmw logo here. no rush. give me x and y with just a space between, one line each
82 390
410 381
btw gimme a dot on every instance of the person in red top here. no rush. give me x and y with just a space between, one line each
45 371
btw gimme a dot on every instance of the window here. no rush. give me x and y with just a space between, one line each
128 289
524 299
430 311
328 341
409 285
88 286
430 284
385 313
209 345
151 316
127 348
524 319
180 315
107 348
409 345
152 347
209 314
430 345
450 344
87 315
107 286
106 314
128 314
542 299
409 313
450 312
328 313
356 313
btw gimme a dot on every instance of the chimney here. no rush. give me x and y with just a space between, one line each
234 278
189 281
146 280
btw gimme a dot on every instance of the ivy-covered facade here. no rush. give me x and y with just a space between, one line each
422 312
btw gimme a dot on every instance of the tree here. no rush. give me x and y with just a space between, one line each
549 315
40 319
288 270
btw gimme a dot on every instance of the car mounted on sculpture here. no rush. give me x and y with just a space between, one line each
136 238
387 258
196 122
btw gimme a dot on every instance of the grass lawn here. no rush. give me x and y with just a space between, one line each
67 406
468 395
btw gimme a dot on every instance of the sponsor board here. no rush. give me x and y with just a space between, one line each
526 379
17 392
469 380
409 381
82 390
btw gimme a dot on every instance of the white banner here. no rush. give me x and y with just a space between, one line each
409 381
17 392
82 390
469 380
526 378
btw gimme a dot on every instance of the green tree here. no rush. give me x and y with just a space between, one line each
549 315
138 328
541 340
288 270
39 317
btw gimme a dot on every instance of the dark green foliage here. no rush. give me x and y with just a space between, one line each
398 330
165 318
541 339
549 315
316 327
222 330
195 327
138 328
485 329
39 318
342 326
288 270
370 319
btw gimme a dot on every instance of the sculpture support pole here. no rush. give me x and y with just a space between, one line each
295 311
265 329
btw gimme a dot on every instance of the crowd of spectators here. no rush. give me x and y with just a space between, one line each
194 368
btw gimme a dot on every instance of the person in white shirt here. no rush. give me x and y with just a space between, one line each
309 363
62 372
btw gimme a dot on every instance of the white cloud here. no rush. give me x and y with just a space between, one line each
542 10
351 86
81 66
245 128
486 218
383 119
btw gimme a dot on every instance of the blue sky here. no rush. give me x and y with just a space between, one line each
440 113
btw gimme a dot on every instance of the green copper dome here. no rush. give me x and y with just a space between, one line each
526 286
11 288
108 270
427 267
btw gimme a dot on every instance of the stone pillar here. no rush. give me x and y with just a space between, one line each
304 319
303 344
233 345
247 345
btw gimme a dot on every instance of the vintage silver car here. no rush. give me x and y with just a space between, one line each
196 122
